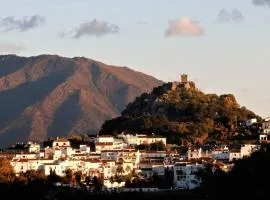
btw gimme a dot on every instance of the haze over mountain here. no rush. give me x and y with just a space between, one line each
48 95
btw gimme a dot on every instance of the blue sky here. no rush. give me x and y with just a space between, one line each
227 56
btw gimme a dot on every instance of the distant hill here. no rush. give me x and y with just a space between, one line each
182 113
49 95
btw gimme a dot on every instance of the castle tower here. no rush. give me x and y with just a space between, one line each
184 78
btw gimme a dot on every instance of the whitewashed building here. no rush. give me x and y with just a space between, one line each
33 147
194 153
185 176
60 143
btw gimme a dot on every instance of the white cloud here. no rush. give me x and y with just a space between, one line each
24 24
184 27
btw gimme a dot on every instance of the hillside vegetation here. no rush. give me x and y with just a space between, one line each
182 114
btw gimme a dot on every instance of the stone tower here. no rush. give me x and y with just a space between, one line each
184 78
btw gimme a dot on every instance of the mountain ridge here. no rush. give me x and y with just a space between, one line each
51 86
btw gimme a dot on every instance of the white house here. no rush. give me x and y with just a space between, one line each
141 139
58 168
194 153
19 165
33 147
145 168
264 138
109 154
250 122
185 176
26 155
60 142
101 146
266 126
92 167
158 168
108 184
84 149
109 168
105 139
153 154
235 154
220 153
248 149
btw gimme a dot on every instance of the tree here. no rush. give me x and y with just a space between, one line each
97 182
35 177
6 172
53 177
128 169
112 180
78 176
87 180
119 169
69 175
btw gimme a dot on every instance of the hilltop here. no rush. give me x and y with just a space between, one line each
182 113
48 95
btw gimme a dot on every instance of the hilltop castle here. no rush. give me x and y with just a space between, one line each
183 83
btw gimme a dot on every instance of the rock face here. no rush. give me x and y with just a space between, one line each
48 95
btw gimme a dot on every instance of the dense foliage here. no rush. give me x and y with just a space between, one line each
180 114
247 179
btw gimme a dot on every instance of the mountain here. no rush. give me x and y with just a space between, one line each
48 95
182 113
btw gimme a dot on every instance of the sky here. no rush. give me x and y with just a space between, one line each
223 45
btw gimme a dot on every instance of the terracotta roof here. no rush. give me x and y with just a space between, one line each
163 152
107 160
118 150
92 160
29 159
235 150
61 140
79 154
94 154
26 153
104 143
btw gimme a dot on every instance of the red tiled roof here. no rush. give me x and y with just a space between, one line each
92 160
104 143
61 140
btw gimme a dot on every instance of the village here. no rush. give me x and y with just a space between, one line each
118 157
